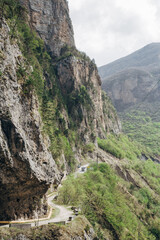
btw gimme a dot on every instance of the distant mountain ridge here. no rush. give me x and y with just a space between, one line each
133 84
129 79
145 57
129 87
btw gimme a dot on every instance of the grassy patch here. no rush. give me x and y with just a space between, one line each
88 148
101 201
121 146
150 171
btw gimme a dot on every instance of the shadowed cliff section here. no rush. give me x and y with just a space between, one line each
24 178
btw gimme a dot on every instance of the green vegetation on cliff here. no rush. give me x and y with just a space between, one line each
42 79
67 98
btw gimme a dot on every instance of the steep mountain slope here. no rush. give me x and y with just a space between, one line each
129 79
75 72
134 87
51 105
120 208
130 87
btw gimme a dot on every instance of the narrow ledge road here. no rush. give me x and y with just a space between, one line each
63 213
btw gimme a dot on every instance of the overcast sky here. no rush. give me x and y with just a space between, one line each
109 29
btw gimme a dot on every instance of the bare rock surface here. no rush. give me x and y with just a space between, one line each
26 167
52 22
79 78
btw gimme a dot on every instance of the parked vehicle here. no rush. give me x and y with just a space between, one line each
83 169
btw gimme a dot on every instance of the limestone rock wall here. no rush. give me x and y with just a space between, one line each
52 22
26 167
78 78
130 87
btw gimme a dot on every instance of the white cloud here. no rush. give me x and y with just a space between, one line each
110 29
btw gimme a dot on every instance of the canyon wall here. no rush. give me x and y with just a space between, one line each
27 154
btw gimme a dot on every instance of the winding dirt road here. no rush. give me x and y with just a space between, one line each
63 213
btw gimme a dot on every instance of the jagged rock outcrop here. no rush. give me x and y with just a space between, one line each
88 105
52 22
26 167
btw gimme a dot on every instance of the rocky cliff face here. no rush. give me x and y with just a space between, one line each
52 22
26 167
81 83
130 87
